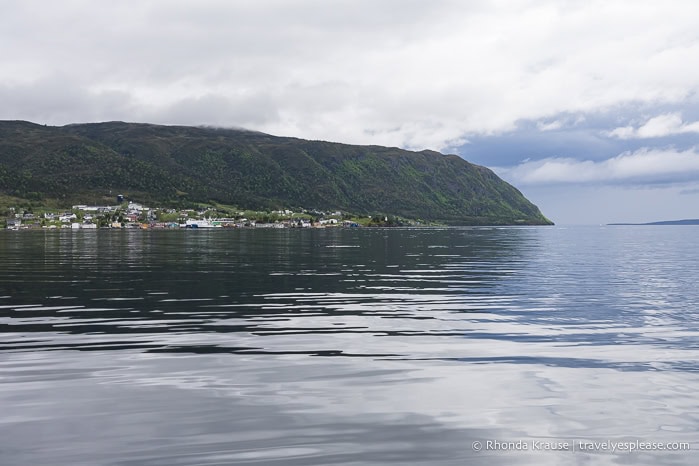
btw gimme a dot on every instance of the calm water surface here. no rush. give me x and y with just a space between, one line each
339 347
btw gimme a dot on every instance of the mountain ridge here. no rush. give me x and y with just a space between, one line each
186 164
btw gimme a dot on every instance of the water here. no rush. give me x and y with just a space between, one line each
357 346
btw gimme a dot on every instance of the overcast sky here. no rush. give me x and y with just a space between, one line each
591 108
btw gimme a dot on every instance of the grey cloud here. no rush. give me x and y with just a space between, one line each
57 101
690 191
246 111
440 72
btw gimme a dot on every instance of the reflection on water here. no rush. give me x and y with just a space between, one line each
347 346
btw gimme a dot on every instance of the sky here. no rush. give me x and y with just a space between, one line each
590 108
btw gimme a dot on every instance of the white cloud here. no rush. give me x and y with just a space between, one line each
551 126
668 124
562 121
641 166
398 72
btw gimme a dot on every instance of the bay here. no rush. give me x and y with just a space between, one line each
529 345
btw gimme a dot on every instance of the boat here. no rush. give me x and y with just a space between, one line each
198 224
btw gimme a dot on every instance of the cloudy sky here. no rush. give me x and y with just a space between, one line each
590 108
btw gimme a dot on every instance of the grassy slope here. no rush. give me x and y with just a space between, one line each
170 164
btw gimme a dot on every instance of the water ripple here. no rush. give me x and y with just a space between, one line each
339 346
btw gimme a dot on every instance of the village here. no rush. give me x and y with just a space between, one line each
134 215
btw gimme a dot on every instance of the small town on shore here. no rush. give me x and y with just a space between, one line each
134 215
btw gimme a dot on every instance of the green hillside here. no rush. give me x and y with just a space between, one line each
177 164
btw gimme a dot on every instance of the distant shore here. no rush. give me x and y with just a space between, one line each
692 221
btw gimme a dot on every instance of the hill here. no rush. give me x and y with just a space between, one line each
690 221
178 164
